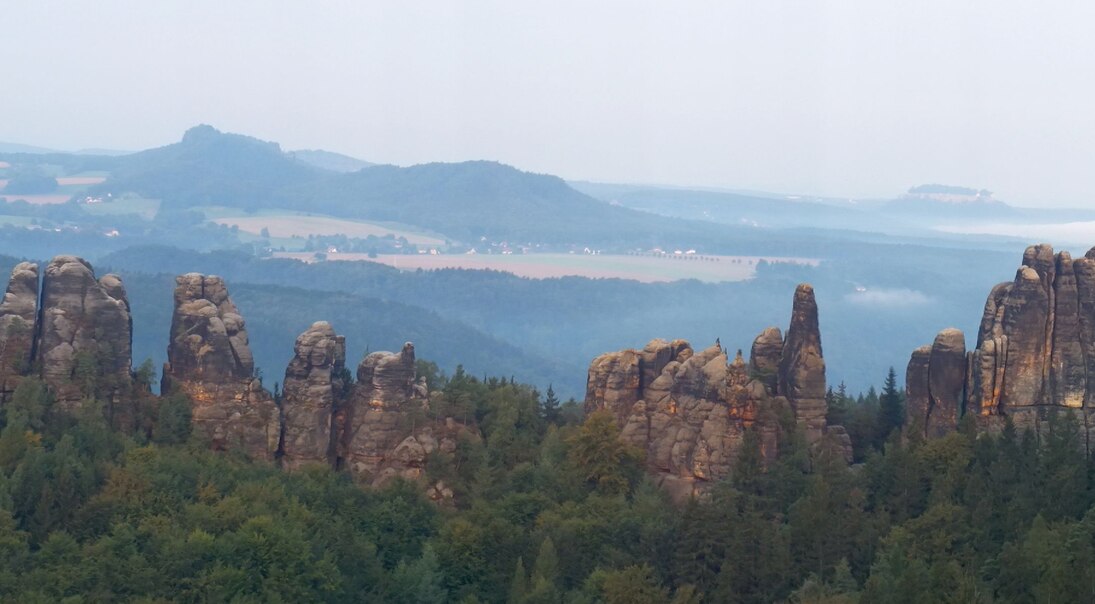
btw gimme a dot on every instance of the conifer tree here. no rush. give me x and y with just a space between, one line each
891 406
550 406
519 586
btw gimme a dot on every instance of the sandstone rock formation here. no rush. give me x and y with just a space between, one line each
209 359
84 333
80 337
379 418
1035 352
18 322
316 382
935 382
689 410
802 368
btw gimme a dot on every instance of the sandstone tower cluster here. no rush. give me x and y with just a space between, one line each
74 331
689 409
1034 356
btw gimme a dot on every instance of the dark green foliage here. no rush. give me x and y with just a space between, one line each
891 407
88 513
172 420
28 179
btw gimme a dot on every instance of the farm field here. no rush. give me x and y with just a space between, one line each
80 181
284 224
37 199
125 204
647 269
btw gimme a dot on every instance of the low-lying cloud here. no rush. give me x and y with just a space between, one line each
888 297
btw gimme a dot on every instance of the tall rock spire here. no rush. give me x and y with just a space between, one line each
85 333
802 366
315 385
209 360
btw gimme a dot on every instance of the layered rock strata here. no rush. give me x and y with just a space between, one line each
84 333
1034 356
209 360
689 410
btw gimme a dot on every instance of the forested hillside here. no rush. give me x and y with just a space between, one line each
545 509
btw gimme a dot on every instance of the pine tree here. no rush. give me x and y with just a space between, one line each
519 586
891 406
550 407
547 563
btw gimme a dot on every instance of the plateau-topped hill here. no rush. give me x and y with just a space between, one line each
209 167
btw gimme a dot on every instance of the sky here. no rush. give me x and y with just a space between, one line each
843 99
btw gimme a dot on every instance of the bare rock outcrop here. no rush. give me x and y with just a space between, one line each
1035 352
689 409
802 367
209 360
764 357
18 322
383 412
316 383
84 339
936 382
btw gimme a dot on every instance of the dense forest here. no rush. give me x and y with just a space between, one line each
547 506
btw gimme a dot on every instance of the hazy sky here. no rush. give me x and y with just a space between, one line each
854 98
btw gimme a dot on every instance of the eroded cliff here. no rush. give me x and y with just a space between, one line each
1034 356
689 410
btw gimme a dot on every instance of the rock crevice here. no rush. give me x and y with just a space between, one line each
1035 352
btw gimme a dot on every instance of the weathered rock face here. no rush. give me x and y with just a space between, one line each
84 339
1035 353
209 360
316 383
689 410
936 383
764 357
383 410
802 367
18 322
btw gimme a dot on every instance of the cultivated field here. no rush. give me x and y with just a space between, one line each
80 181
125 204
36 199
647 269
286 224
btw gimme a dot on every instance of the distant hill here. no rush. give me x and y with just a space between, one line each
106 152
210 167
32 149
20 148
328 160
735 208
465 201
476 199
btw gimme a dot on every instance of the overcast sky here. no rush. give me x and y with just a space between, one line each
853 98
